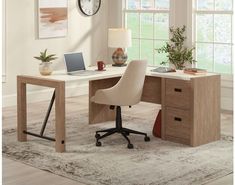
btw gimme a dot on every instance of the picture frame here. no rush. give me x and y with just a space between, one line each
52 18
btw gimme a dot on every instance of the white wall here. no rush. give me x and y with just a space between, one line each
85 34
3 39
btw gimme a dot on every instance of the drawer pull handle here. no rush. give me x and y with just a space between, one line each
178 90
178 119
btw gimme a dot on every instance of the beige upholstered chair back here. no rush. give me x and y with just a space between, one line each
129 88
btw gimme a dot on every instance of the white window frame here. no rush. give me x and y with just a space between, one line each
171 13
192 23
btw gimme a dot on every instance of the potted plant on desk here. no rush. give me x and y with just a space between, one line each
45 67
178 54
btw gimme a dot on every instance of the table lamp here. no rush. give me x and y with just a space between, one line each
119 38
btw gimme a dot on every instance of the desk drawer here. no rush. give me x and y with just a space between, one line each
177 123
177 93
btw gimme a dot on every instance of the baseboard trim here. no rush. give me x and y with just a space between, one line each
44 95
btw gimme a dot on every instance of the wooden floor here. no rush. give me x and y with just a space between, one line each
16 173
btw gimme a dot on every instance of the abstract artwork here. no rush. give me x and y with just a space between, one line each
53 18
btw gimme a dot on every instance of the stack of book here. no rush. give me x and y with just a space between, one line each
195 71
163 70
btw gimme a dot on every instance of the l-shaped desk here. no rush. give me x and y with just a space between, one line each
190 104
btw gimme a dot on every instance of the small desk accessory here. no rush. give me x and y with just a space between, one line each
195 71
45 67
163 70
100 65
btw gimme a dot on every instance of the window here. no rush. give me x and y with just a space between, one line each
149 22
213 35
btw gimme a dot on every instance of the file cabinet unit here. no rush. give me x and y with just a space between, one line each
191 110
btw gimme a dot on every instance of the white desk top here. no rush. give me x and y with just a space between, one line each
118 71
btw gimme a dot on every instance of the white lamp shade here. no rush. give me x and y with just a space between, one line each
119 38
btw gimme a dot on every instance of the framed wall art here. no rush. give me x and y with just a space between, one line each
53 18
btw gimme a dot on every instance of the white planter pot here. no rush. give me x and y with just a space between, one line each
45 68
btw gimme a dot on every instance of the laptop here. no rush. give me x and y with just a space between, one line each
75 65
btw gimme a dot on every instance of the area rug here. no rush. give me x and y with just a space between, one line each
156 162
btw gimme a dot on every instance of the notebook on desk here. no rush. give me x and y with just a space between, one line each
75 65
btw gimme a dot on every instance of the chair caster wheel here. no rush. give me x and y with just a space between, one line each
97 136
130 146
98 143
147 138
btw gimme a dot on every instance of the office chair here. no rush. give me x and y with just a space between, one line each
126 92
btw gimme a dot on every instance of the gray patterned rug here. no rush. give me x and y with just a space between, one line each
156 162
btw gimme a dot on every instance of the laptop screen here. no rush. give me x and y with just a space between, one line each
74 62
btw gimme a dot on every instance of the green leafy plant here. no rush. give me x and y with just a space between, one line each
177 53
46 58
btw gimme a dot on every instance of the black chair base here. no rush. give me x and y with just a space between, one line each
119 129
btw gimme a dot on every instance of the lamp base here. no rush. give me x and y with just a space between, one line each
119 65
119 57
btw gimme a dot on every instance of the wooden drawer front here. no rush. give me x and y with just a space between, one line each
177 93
177 123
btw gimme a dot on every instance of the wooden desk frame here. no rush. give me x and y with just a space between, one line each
59 86
203 114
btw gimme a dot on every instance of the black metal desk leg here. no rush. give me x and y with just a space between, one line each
44 122
47 114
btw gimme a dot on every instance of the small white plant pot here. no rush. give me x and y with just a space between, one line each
45 68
